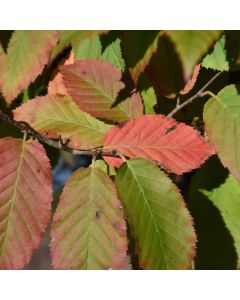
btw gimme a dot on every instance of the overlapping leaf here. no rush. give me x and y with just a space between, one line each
94 86
113 54
192 45
56 86
138 48
54 115
157 216
25 200
226 198
165 71
175 146
92 49
217 60
149 100
222 120
71 38
27 53
88 49
215 247
191 82
225 54
89 231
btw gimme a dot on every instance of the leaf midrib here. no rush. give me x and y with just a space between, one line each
151 215
12 199
112 100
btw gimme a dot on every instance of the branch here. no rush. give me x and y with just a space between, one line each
190 100
58 144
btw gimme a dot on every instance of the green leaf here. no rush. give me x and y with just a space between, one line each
88 49
54 115
157 216
71 38
217 60
92 49
89 231
222 121
192 45
27 54
105 167
113 54
215 247
149 100
226 198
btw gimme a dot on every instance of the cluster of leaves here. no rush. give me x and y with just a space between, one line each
111 92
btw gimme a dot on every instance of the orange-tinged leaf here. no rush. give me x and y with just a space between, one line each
191 82
94 85
89 231
176 146
25 200
27 53
56 86
56 115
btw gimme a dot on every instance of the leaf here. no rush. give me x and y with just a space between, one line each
91 49
192 45
138 48
71 38
175 146
222 122
88 49
225 54
164 70
27 53
25 200
56 86
157 216
89 231
101 164
94 86
215 247
113 55
226 198
149 100
56 115
217 60
191 82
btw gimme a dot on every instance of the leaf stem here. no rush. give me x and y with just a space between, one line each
195 96
25 128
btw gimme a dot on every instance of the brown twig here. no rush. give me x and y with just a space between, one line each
58 144
198 94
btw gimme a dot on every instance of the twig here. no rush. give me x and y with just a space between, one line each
27 129
198 94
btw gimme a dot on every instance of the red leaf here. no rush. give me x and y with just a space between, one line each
94 85
191 82
56 86
25 200
175 146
